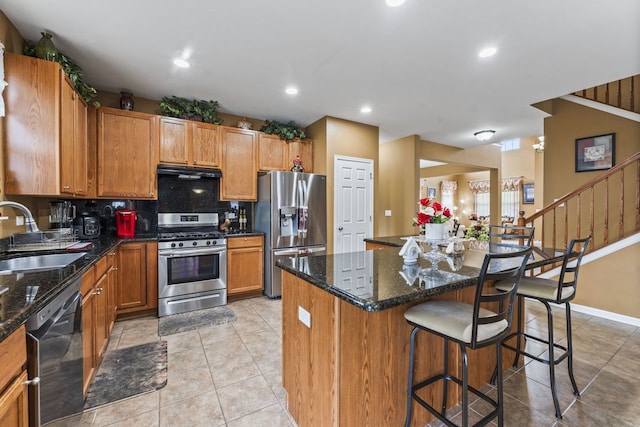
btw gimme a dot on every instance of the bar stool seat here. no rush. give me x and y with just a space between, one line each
454 319
469 325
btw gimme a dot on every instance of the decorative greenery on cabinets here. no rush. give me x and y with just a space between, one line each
287 131
70 68
182 108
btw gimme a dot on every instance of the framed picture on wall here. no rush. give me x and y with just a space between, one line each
528 193
596 153
432 192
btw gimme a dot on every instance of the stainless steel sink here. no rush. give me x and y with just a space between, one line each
38 262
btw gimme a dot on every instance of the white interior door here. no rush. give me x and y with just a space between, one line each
353 203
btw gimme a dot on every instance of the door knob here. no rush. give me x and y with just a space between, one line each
340 228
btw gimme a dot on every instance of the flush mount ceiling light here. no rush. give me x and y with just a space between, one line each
182 63
484 135
291 90
485 53
366 109
394 3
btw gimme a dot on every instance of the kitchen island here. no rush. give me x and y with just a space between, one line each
346 342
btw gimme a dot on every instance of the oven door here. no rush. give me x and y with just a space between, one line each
189 271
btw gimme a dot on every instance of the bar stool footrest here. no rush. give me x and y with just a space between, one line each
441 415
556 360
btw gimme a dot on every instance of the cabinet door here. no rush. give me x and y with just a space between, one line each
245 264
174 141
67 148
272 154
88 342
132 277
207 147
32 126
101 293
14 403
127 154
239 165
304 149
80 147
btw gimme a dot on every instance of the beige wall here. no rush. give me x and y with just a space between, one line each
611 283
333 136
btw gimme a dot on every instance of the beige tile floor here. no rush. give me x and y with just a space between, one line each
230 375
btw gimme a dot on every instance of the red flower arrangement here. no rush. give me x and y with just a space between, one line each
431 212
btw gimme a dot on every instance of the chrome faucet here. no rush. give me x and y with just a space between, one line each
29 222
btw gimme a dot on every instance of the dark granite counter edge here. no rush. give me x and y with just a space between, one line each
76 270
419 295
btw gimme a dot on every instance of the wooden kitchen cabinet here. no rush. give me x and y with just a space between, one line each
245 266
127 154
302 148
189 143
239 164
98 314
46 131
272 153
137 284
14 401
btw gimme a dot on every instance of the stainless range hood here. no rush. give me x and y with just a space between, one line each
185 172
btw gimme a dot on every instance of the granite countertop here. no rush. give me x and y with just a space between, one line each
15 309
376 280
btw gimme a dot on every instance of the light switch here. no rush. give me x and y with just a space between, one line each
304 316
387 212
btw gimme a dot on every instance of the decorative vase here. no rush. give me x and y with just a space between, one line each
434 231
126 101
45 49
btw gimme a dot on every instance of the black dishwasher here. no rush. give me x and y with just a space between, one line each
54 346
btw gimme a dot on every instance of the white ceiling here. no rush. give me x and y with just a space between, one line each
415 65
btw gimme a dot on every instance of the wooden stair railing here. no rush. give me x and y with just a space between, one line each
591 208
623 93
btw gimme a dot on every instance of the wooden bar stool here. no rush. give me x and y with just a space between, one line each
560 291
469 325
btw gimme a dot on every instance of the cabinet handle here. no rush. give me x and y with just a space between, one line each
34 381
114 268
66 187
97 293
79 190
112 253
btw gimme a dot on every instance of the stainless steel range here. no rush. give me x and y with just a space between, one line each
192 263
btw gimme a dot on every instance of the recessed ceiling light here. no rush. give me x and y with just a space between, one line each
485 53
366 109
182 63
394 3
291 90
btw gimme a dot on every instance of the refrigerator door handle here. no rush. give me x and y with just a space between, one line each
300 251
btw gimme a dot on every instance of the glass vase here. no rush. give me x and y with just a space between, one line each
45 49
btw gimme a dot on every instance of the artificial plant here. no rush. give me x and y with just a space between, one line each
198 110
286 131
70 68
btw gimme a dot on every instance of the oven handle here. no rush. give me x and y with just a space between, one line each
184 252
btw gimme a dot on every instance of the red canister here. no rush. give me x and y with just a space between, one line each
126 223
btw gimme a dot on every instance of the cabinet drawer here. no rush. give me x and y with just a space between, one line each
244 242
13 354
101 266
88 280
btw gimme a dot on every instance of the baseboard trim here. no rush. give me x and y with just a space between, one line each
609 315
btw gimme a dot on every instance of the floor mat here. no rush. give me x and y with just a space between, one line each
127 372
183 322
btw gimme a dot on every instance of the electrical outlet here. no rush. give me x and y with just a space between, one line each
387 212
19 220
304 316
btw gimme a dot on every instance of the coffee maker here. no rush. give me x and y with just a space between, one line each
61 215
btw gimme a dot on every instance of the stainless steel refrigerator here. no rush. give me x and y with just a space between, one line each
292 212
